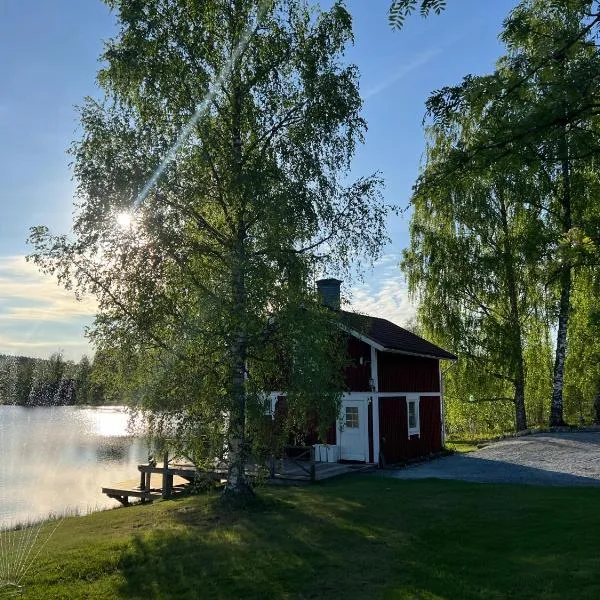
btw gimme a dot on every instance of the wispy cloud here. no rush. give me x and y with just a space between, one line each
42 347
36 315
404 69
26 294
401 72
385 293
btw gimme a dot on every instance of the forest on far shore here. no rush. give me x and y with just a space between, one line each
27 381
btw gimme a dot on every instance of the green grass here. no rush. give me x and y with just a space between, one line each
461 446
351 538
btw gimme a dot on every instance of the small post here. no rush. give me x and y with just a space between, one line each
272 466
313 471
167 479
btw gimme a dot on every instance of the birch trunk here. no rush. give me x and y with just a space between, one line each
556 407
520 415
516 333
237 483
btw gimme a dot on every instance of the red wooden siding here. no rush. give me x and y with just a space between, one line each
402 373
393 429
356 375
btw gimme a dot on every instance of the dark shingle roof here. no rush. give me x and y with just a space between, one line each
391 336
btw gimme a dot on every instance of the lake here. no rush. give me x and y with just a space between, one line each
56 459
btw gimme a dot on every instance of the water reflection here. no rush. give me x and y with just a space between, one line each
57 458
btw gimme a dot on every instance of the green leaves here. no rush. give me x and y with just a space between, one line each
576 248
509 192
254 203
401 9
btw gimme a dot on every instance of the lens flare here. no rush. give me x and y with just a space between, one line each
202 108
124 220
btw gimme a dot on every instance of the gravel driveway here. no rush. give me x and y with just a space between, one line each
540 459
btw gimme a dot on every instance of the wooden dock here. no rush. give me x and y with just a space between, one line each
124 490
159 482
172 479
292 471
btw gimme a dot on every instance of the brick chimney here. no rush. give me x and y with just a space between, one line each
329 291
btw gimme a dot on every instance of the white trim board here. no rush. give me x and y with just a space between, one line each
375 404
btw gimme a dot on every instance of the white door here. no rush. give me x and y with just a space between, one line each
353 430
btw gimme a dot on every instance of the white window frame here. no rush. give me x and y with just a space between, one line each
417 429
358 419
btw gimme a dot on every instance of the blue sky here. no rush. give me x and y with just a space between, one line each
50 57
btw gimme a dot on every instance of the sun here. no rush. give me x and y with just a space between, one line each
124 219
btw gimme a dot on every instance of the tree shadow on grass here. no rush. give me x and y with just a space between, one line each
271 550
365 538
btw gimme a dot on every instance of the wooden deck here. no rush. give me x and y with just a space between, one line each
289 470
173 478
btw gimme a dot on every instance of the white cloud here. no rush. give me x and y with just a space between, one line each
37 317
385 293
26 294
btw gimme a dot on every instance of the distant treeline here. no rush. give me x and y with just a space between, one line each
46 382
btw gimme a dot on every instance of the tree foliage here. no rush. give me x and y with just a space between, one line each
54 381
253 204
525 137
582 394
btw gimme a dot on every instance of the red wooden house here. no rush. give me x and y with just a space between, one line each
392 409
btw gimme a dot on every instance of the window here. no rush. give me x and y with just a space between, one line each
412 405
352 417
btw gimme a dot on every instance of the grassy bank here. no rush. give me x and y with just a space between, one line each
355 537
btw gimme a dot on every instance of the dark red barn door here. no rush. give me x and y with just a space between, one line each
431 424
393 429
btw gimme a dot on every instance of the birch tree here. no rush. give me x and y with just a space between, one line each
537 116
259 116
473 252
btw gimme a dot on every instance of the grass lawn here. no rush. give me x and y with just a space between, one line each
462 446
354 537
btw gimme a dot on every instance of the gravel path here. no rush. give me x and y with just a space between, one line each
540 459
